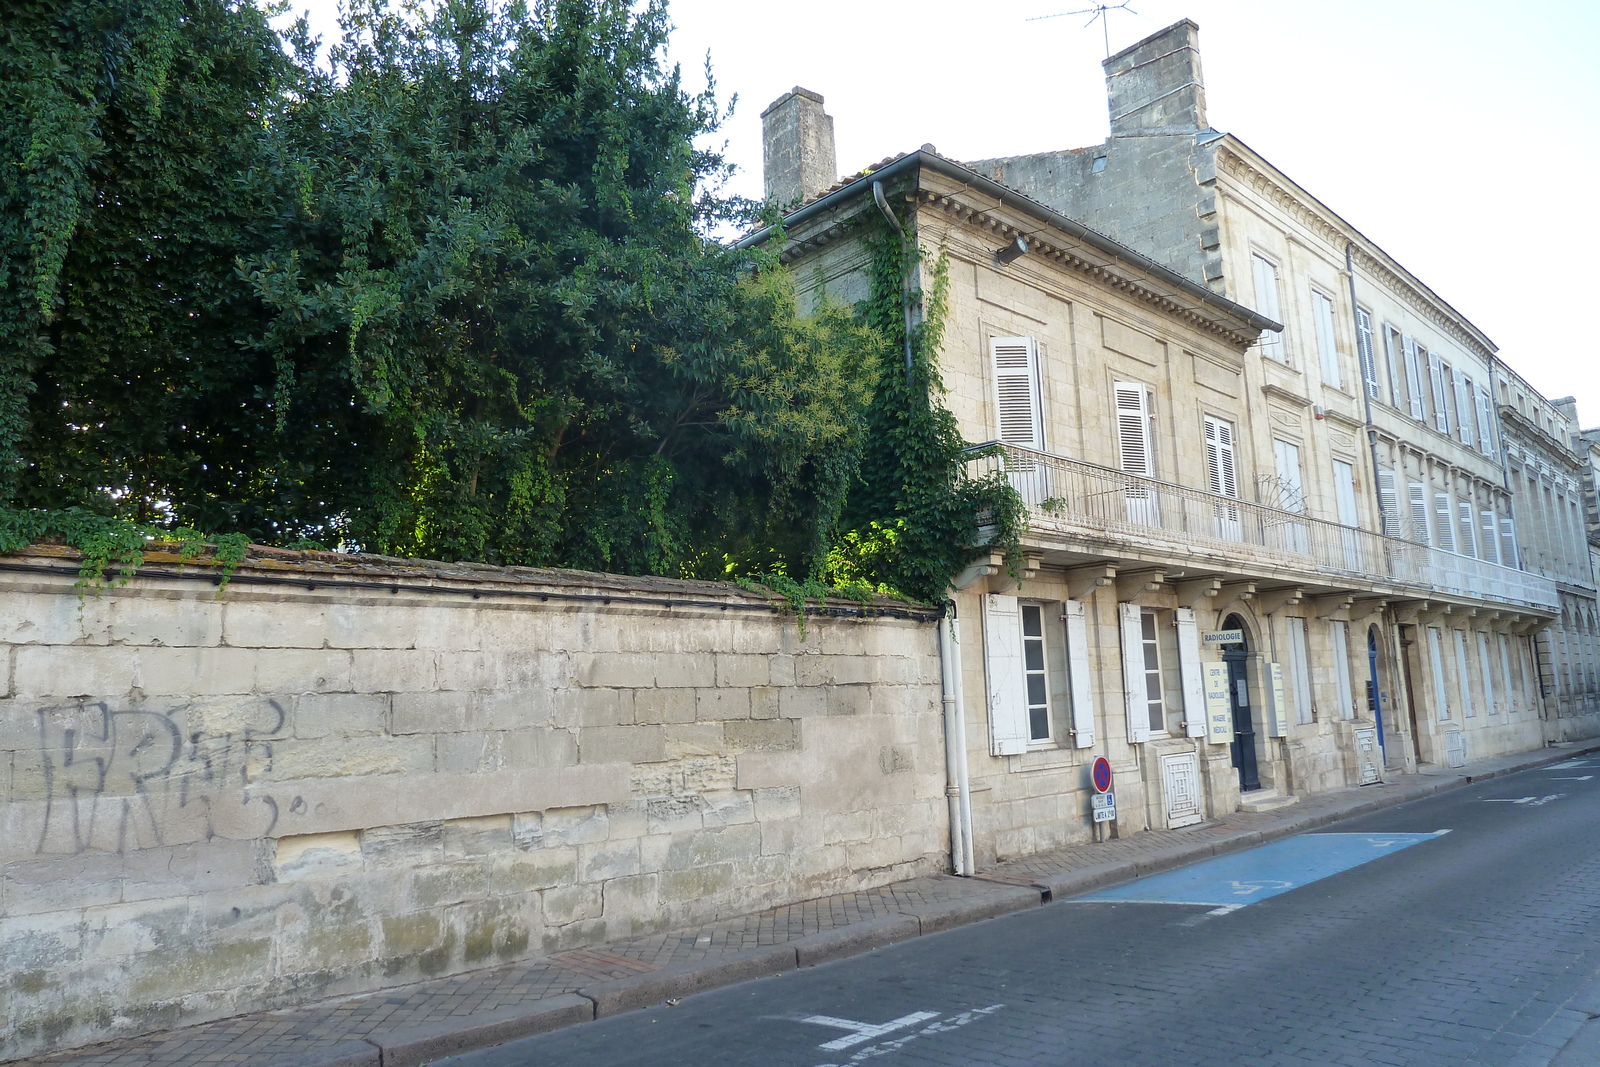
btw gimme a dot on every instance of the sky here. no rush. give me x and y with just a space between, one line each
1462 137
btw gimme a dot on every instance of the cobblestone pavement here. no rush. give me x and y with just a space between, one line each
1479 948
350 1030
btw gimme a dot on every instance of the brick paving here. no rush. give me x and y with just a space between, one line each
260 1039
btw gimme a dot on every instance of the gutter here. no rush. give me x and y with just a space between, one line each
912 162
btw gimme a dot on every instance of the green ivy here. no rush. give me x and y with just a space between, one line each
115 546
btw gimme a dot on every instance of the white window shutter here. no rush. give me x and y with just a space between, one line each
1133 684
1505 671
1194 679
1418 499
1266 282
1133 429
1369 361
1408 346
1327 350
1485 422
1486 671
1469 529
1002 662
1491 537
1389 502
1441 695
1078 668
1221 474
1464 417
1444 537
1441 414
1463 677
1339 639
1018 405
1509 556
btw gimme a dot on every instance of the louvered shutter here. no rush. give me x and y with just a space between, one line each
1133 682
1133 429
1002 661
1408 345
1486 671
1491 537
1509 556
1485 422
1221 474
1016 385
1444 537
1369 362
1464 416
1078 669
1339 640
1194 679
1389 503
1469 529
1266 281
1418 500
1441 695
1441 414
1300 667
1327 350
1505 671
1463 676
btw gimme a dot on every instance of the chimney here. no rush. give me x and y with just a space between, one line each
1155 86
797 158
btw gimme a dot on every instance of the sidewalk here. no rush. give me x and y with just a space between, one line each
413 1025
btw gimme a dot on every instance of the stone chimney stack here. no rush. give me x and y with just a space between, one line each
1155 86
797 159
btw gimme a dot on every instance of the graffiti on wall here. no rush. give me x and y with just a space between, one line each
117 780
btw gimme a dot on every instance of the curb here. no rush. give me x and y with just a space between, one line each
644 990
344 1054
413 1046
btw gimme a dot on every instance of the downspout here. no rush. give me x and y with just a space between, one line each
905 273
956 791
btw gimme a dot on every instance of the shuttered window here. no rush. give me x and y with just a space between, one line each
1369 361
1194 683
1441 699
1509 556
1339 639
1463 677
1443 537
1300 670
1485 422
1266 283
1487 673
1469 529
1505 671
1389 503
1002 664
1133 669
1078 673
1133 429
1221 473
1034 676
1436 371
1291 487
1490 540
1413 376
1327 351
1154 686
1018 406
1464 416
1418 501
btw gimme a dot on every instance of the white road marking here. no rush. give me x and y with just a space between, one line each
1535 801
1256 885
865 1031
1569 764
883 1048
1572 778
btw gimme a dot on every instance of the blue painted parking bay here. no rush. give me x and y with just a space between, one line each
1227 883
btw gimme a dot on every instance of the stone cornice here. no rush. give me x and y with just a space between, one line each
1234 158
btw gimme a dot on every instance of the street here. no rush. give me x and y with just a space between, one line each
1460 929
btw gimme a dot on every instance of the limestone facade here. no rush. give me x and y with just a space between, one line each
342 773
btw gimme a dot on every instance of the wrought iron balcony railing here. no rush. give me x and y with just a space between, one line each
1069 495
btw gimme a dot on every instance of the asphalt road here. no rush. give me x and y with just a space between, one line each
1480 946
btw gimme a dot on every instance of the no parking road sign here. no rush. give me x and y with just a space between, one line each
1104 801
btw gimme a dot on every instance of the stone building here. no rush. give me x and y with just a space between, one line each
1266 508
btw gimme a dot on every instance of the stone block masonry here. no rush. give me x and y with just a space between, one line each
344 773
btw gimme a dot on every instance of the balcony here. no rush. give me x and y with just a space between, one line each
1091 511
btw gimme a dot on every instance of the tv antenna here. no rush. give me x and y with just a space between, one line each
1098 11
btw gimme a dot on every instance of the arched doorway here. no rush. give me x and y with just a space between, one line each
1374 691
1236 657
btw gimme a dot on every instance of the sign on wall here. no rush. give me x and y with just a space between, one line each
1217 638
1219 710
1277 706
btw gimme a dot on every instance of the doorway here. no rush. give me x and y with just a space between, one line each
1375 693
1236 658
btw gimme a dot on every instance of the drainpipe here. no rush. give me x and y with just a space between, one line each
955 746
905 279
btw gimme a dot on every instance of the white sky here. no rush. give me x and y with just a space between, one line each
1460 135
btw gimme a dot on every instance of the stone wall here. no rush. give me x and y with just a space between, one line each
344 773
